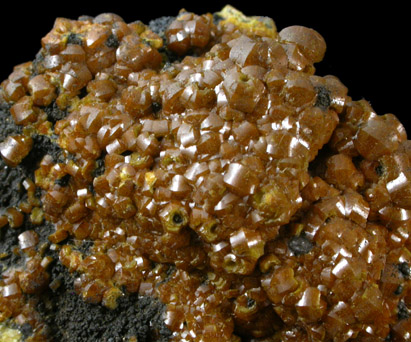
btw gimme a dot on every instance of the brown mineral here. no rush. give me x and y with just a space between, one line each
194 180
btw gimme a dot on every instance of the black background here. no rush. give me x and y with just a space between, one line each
366 45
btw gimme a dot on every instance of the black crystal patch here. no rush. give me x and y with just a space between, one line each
388 338
300 245
54 113
379 170
100 166
398 290
37 64
112 42
403 312
74 38
63 181
323 98
404 269
217 18
156 106
177 219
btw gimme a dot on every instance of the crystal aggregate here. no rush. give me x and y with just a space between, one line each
209 167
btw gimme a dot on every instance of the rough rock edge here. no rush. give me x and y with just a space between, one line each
69 318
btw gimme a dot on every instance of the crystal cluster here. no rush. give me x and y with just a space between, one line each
206 165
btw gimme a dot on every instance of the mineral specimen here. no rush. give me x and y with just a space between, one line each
194 180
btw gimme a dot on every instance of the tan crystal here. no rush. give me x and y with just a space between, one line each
211 168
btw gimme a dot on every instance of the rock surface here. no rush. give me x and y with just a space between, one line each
194 180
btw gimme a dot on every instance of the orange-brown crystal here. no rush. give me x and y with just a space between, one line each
283 204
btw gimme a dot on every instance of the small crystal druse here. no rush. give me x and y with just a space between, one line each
194 180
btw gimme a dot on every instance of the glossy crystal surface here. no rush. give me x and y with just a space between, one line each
208 166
